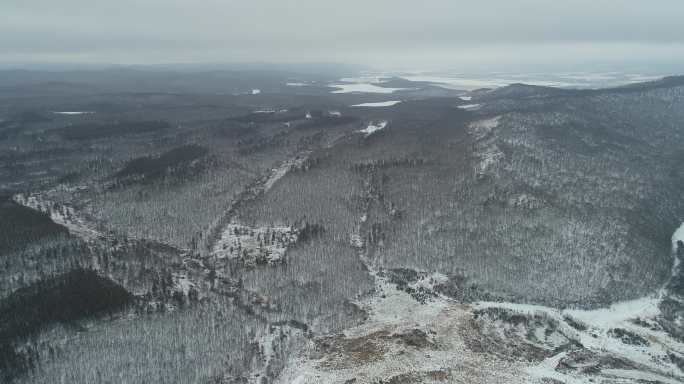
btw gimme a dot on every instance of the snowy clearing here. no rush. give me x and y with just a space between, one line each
74 113
403 339
284 168
624 330
254 245
378 104
676 238
372 128
481 128
470 107
61 214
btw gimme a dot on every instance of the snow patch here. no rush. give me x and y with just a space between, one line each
639 376
283 169
677 236
74 113
378 104
254 245
470 107
618 313
183 284
372 128
481 128
596 335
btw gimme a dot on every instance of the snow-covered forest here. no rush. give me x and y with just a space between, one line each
303 234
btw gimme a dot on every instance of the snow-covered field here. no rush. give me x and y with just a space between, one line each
373 127
259 245
643 343
598 338
401 341
444 341
677 237
480 129
378 104
61 214
470 107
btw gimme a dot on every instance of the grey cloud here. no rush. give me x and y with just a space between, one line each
317 30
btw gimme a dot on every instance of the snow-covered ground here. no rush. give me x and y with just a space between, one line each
254 245
651 351
480 129
284 168
598 339
373 127
402 340
443 341
61 214
269 110
378 104
677 237
470 107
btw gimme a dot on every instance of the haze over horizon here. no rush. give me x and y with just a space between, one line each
391 35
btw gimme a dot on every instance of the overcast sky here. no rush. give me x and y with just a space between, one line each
383 33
